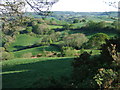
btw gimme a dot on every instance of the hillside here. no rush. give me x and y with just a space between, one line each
24 73
65 50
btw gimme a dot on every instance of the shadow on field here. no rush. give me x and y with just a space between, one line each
23 75
19 48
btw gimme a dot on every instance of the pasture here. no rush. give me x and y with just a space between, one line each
23 73
21 41
35 51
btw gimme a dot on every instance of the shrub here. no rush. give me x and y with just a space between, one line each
6 55
105 77
109 51
98 71
68 51
27 55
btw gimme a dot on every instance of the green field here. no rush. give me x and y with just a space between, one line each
22 73
54 26
36 50
94 52
22 40
42 51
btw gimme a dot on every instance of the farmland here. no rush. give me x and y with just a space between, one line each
66 50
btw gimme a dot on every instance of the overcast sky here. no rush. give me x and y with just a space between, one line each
83 6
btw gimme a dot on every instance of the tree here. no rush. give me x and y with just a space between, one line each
116 25
93 26
75 21
75 40
96 40
10 7
41 7
41 29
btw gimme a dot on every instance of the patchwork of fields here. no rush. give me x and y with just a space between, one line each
42 55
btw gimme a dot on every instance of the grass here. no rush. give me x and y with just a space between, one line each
55 26
36 50
94 52
22 40
22 73
79 25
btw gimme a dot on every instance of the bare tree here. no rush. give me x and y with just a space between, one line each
113 3
12 11
16 6
41 6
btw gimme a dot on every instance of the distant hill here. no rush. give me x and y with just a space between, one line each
71 13
69 16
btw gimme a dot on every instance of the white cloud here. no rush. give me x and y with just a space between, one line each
82 6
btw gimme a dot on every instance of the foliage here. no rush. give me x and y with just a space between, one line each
68 51
40 34
41 29
6 55
105 77
53 37
93 26
83 71
110 50
107 65
96 40
75 40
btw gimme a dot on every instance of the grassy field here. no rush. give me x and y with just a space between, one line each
36 50
79 25
54 26
22 73
22 40
94 52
